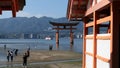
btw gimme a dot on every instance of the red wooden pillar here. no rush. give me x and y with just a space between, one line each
115 22
71 38
57 37
14 8
84 43
0 11
95 40
17 7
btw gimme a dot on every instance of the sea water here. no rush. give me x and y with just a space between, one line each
40 44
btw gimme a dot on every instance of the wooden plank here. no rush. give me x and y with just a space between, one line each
103 37
103 20
103 59
89 37
89 24
6 8
88 53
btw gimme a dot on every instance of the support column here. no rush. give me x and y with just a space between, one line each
84 42
0 11
13 8
115 22
71 39
95 40
57 39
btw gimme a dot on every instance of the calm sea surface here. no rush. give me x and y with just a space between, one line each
41 44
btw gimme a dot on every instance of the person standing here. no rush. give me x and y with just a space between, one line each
16 52
11 54
25 56
4 47
8 55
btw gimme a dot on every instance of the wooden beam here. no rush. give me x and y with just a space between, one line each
90 54
103 37
89 37
104 20
64 28
70 9
6 8
89 24
103 59
5 0
98 6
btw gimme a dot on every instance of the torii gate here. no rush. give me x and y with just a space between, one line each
64 26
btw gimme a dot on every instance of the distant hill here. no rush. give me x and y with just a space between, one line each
30 25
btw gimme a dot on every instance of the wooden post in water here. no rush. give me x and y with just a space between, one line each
57 38
71 38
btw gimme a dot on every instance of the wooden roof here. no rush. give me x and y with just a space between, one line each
63 24
12 5
77 9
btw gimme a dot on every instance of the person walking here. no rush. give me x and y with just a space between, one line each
25 56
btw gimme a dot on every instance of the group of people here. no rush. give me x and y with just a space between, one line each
10 54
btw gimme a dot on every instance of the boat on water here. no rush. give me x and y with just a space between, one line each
48 38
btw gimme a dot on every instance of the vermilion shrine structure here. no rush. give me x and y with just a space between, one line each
100 50
64 26
12 5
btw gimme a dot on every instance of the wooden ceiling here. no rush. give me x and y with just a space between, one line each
76 9
12 5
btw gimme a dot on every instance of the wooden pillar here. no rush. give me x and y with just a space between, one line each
13 8
17 7
0 11
57 37
84 43
115 21
71 37
94 40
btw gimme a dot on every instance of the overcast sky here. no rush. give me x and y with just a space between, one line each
39 8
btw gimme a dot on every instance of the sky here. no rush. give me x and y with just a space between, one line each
39 8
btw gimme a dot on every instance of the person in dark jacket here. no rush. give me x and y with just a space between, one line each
25 56
11 55
8 55
16 52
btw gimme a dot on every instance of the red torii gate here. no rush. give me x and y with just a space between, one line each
64 26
